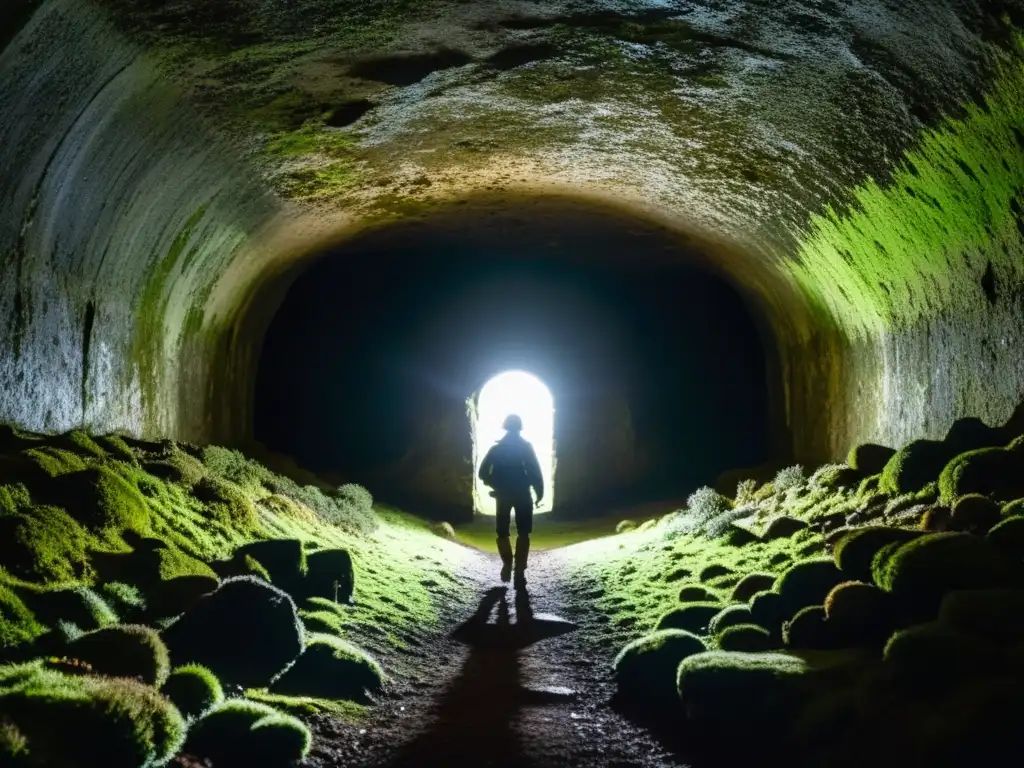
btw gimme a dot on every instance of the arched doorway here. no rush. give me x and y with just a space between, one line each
522 393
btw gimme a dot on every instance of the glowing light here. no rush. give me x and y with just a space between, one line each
522 393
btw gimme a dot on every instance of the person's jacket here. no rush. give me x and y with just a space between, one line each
511 467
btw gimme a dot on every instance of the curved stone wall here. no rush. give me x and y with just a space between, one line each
165 169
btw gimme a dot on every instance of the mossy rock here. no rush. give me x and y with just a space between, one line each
714 571
125 650
726 581
780 559
994 472
914 466
783 527
18 625
997 614
858 614
766 609
807 630
933 656
920 572
193 689
855 551
44 544
695 593
47 463
104 502
116 447
323 622
836 476
750 638
86 720
974 513
76 605
730 616
241 732
869 458
868 488
329 574
226 503
936 518
807 583
1013 508
692 617
78 442
738 536
331 668
284 559
678 574
724 693
1009 537
751 584
125 600
175 596
971 432
625 526
246 632
645 670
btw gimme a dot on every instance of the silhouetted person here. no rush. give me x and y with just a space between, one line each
510 469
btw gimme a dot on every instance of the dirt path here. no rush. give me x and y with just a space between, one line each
501 696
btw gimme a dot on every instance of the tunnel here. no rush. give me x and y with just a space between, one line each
761 261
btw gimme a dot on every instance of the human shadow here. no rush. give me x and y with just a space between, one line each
474 720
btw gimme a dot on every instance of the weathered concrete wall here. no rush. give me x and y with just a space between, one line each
145 237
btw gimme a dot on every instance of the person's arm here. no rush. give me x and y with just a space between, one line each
533 471
486 468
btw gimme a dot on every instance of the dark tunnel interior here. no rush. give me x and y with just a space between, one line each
378 323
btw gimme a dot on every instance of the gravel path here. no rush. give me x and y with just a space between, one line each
495 701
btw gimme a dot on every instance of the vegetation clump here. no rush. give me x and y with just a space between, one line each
994 472
766 609
855 551
730 616
132 651
750 638
858 614
242 732
935 655
87 720
193 689
246 632
751 584
695 593
76 605
1008 536
992 613
808 630
645 669
226 503
869 458
284 559
625 526
329 574
914 466
783 527
974 513
331 668
806 583
692 617
714 571
18 625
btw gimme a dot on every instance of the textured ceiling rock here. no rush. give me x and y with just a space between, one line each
855 166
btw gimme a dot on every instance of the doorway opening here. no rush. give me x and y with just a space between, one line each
524 394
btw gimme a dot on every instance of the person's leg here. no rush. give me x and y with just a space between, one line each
524 527
502 521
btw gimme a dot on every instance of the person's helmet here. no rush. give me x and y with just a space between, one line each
512 423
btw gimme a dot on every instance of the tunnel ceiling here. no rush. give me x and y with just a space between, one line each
856 167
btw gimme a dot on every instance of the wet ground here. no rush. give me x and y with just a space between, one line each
510 680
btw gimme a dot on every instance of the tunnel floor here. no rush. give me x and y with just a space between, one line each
493 694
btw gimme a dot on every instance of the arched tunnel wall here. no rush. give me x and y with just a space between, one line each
143 247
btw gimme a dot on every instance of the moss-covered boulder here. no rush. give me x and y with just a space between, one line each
42 543
766 609
193 689
329 574
127 650
625 526
331 668
783 527
834 476
246 632
937 518
1008 535
869 458
714 571
997 614
974 513
936 655
104 502
645 670
994 472
920 572
858 614
806 583
284 559
914 466
750 638
750 585
730 617
18 625
807 630
226 503
1013 508
740 536
241 732
76 605
85 720
692 617
856 550
695 593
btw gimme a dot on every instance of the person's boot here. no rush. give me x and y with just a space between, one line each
522 555
505 551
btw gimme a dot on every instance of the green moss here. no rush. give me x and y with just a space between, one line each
995 472
914 466
324 622
83 720
750 585
44 543
645 669
77 605
858 614
124 651
125 599
1009 536
730 616
934 656
332 668
974 513
241 732
104 502
855 551
18 625
115 446
692 617
329 574
226 503
808 630
869 458
193 689
997 614
54 462
806 583
918 573
285 560
745 637
714 571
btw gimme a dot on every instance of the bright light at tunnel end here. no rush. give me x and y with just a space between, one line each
524 394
